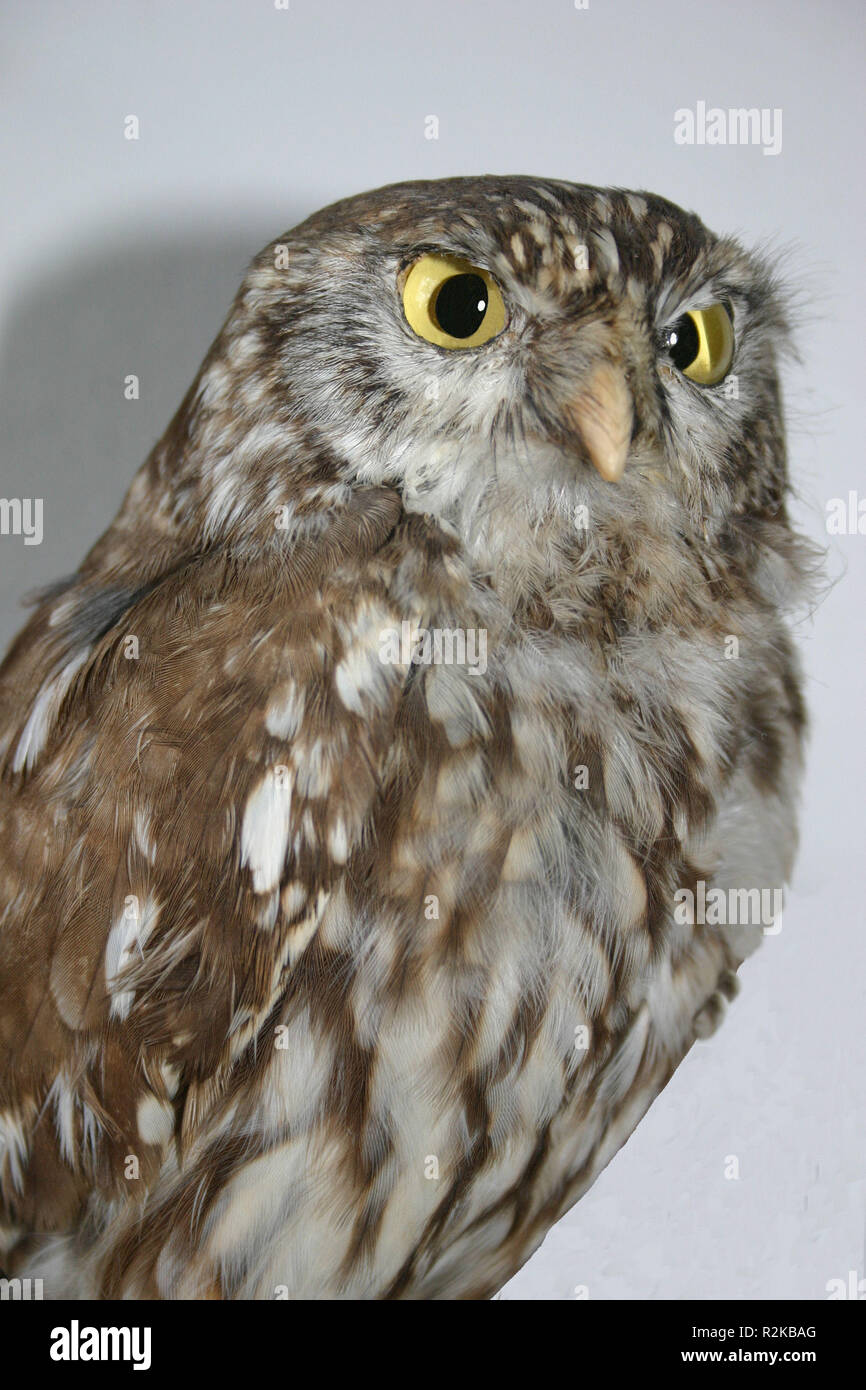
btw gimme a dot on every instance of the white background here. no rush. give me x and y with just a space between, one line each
122 257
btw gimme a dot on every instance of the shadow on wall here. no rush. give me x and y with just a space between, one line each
69 435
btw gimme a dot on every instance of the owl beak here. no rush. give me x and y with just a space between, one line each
602 414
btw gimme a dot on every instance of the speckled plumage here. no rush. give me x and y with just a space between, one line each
316 939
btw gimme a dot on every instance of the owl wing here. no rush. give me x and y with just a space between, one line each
187 770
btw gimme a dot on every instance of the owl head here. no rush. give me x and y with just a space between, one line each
518 357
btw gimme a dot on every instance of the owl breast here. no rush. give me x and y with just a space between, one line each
509 987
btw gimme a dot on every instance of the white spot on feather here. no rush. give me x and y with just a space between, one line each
285 711
170 1077
64 1116
338 841
361 674
607 249
265 830
128 935
452 703
358 674
141 831
45 710
302 932
155 1121
13 1148
294 896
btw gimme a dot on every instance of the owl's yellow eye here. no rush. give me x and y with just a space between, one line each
451 303
701 344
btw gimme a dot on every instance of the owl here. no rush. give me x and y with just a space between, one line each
389 800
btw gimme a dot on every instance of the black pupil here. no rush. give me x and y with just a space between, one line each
683 342
461 305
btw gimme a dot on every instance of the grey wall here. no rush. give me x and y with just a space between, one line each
122 256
